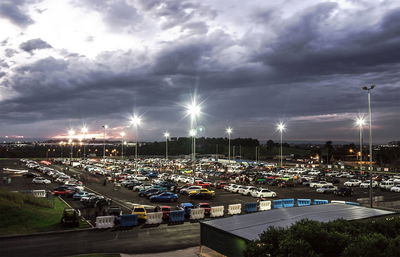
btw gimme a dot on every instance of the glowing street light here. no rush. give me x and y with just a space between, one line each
360 123
84 130
166 135
136 121
104 141
229 131
281 127
122 134
193 110
368 89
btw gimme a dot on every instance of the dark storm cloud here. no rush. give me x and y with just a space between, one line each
34 44
15 12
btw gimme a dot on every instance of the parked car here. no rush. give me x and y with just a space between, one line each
262 192
185 191
365 184
62 191
113 211
343 191
386 185
395 189
31 175
206 207
165 209
249 190
70 217
352 183
202 194
220 184
164 197
40 180
149 192
142 187
320 184
79 195
326 189
185 207
140 211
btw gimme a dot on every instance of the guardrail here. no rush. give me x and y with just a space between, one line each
105 221
154 218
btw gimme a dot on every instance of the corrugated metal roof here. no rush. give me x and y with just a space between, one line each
249 226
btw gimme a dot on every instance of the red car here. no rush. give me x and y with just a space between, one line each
165 209
203 185
220 184
206 207
62 191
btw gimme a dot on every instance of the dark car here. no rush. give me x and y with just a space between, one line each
113 211
31 175
132 184
150 192
70 217
344 191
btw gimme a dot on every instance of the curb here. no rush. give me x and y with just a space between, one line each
48 233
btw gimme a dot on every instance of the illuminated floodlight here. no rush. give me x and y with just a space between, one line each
229 130
281 127
193 110
192 132
166 134
122 134
71 132
136 120
360 122
84 129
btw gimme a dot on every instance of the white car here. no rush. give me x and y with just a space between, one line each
365 184
320 184
395 189
326 189
142 187
262 192
232 187
241 189
40 180
249 190
235 189
386 185
352 183
141 178
185 191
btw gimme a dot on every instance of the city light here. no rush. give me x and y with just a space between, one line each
166 134
136 120
229 131
192 132
71 132
280 127
193 110
122 134
360 121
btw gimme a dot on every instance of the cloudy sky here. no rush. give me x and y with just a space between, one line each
251 64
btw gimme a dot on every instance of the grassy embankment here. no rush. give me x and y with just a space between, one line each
23 213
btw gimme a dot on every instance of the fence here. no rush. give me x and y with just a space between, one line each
217 211
176 217
234 209
39 193
154 218
303 202
318 202
105 221
265 205
250 207
288 203
197 214
277 204
128 220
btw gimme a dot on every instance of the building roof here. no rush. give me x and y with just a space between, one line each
250 226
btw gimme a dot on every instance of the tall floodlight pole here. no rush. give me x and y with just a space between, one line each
104 141
193 110
360 122
122 134
71 134
84 130
166 135
135 122
229 132
281 127
368 89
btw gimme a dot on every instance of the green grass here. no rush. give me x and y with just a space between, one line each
22 214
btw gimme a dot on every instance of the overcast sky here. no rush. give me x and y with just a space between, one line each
251 64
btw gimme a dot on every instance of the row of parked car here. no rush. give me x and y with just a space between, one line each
253 191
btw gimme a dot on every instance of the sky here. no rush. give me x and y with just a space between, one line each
249 64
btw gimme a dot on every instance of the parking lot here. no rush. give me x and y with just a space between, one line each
126 199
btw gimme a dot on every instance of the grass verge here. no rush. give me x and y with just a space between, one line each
22 214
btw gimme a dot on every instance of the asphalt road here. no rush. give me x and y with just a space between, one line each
134 241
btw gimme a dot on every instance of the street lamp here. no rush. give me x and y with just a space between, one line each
368 89
104 142
193 110
84 130
193 133
166 135
229 131
122 134
281 127
71 133
360 122
136 121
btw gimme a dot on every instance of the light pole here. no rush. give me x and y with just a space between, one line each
360 122
193 110
84 130
229 132
281 127
104 142
166 135
193 133
71 133
122 134
136 121
368 89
